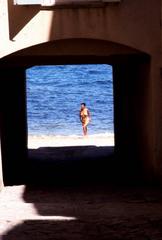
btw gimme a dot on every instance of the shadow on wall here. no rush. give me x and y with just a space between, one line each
19 16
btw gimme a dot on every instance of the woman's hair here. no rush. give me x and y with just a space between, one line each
83 104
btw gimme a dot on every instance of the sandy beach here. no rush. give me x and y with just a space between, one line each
36 141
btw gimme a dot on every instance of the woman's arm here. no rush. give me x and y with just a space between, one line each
80 116
89 115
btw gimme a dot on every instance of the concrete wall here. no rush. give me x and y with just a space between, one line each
132 23
126 35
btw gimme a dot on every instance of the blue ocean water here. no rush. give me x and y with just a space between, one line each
54 94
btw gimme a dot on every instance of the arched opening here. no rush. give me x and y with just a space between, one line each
131 112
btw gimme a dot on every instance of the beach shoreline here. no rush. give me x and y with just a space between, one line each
36 141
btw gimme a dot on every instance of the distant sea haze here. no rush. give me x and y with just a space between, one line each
54 95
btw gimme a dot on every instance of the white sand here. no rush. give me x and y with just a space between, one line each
58 141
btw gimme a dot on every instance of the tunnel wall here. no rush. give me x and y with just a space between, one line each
13 124
133 118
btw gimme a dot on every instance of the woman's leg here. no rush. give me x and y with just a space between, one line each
85 130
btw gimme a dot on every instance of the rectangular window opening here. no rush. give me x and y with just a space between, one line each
54 97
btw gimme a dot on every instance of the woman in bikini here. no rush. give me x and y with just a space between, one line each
84 117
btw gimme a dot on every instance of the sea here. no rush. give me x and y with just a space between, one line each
54 95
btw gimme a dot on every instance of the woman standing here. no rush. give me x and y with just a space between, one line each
84 117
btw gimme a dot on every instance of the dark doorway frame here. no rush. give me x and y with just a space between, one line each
131 112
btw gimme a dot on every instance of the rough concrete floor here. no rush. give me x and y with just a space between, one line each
89 213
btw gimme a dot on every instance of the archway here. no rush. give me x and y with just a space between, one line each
131 105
